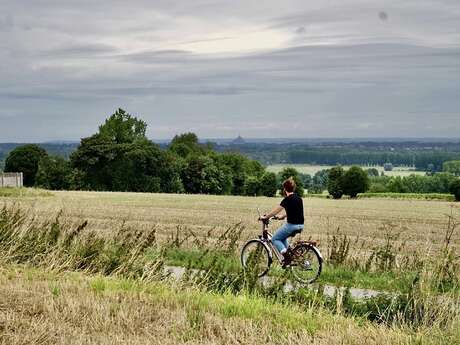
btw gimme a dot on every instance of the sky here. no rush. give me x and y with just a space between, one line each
259 69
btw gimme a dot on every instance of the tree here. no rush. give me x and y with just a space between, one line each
373 172
335 183
120 158
268 184
354 181
240 170
122 128
25 159
455 189
53 173
319 183
185 144
203 176
292 172
253 186
452 167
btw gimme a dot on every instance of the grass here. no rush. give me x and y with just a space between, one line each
313 169
43 307
9 192
399 282
414 196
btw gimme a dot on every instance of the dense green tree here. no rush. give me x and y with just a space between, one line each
238 166
307 181
122 128
186 144
120 158
319 183
452 167
354 181
25 159
253 186
372 172
202 175
335 182
396 185
292 172
437 183
53 173
268 184
455 188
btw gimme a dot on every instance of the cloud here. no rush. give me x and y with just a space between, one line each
223 68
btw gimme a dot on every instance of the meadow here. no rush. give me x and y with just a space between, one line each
81 267
313 169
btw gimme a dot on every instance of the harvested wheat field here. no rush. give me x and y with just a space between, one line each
417 224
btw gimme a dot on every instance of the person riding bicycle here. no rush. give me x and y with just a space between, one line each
292 205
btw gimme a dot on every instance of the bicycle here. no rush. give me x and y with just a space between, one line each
257 256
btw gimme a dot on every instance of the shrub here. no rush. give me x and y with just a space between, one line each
455 189
53 173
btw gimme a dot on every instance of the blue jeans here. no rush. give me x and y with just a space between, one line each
281 235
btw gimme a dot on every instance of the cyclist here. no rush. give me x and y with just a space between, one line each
292 206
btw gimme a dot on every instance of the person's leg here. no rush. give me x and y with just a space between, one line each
279 239
281 235
286 243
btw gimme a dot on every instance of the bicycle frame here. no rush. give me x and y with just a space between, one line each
267 239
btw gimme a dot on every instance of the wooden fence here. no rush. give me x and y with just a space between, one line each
11 179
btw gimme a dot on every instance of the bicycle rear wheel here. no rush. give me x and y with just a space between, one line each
306 263
256 258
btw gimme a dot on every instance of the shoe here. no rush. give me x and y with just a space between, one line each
287 258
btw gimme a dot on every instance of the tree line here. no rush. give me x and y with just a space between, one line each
119 157
422 158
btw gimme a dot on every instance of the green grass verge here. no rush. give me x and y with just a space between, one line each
338 276
416 196
10 192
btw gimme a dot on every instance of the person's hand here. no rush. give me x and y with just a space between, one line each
262 218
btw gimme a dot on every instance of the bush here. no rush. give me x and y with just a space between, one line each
334 182
354 181
53 173
455 189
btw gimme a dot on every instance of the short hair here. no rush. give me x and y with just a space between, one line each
289 185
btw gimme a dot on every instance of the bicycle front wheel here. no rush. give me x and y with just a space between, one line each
306 263
256 258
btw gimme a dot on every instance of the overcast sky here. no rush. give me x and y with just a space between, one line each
329 68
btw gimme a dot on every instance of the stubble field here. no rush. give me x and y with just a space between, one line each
417 224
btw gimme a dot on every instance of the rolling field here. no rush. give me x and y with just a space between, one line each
420 224
313 169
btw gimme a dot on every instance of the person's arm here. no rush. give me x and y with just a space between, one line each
283 216
273 212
